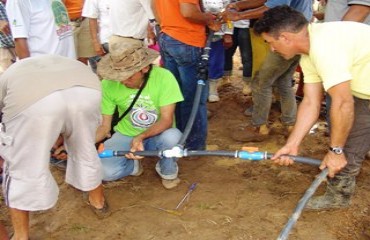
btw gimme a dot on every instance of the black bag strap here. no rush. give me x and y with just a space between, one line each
134 100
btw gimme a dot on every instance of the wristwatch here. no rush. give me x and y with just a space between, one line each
336 150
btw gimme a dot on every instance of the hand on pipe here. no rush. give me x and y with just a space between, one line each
334 162
279 157
136 145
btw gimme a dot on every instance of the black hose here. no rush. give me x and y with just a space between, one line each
193 114
138 153
301 204
202 76
299 159
194 153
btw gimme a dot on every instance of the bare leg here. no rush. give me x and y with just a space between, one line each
96 197
20 220
3 233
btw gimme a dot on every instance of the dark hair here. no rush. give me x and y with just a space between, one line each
147 74
278 19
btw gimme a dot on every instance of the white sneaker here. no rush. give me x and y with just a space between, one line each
138 168
213 98
247 90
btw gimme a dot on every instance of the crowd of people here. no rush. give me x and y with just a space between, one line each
56 54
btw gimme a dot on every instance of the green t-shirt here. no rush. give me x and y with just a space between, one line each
161 90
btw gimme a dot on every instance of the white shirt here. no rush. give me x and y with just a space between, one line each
44 23
130 18
99 9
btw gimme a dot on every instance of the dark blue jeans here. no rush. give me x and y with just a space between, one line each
182 60
241 38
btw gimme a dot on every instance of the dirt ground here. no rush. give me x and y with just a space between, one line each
234 199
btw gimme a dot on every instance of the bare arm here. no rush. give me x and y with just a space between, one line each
341 116
21 48
165 122
230 15
4 27
246 4
341 113
94 29
103 130
307 115
357 13
193 13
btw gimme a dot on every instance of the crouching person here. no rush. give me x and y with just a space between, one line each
147 95
289 34
41 98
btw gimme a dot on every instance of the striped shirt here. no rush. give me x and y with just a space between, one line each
6 41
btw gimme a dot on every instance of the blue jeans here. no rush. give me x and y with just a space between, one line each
182 60
118 167
216 60
241 38
277 71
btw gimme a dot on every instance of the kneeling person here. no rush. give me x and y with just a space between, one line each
149 124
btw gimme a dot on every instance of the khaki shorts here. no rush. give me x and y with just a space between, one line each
75 113
82 38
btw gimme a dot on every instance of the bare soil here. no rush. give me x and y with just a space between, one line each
234 199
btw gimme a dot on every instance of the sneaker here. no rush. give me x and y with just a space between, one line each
251 134
247 90
169 184
139 166
213 98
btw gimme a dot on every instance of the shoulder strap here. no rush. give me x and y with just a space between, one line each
134 100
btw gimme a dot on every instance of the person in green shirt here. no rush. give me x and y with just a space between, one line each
149 125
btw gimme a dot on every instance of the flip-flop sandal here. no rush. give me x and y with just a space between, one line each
99 212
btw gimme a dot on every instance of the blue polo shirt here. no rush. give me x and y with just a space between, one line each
303 6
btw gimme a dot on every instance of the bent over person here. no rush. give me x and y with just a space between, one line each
336 57
149 124
42 97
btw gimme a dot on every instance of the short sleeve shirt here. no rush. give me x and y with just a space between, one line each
161 90
339 52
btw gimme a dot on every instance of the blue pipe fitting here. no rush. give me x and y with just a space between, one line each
252 155
107 154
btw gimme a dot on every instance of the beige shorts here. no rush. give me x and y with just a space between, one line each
75 113
83 40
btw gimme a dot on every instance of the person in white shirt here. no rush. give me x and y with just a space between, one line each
98 13
40 27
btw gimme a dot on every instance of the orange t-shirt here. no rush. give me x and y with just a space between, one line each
176 26
74 8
